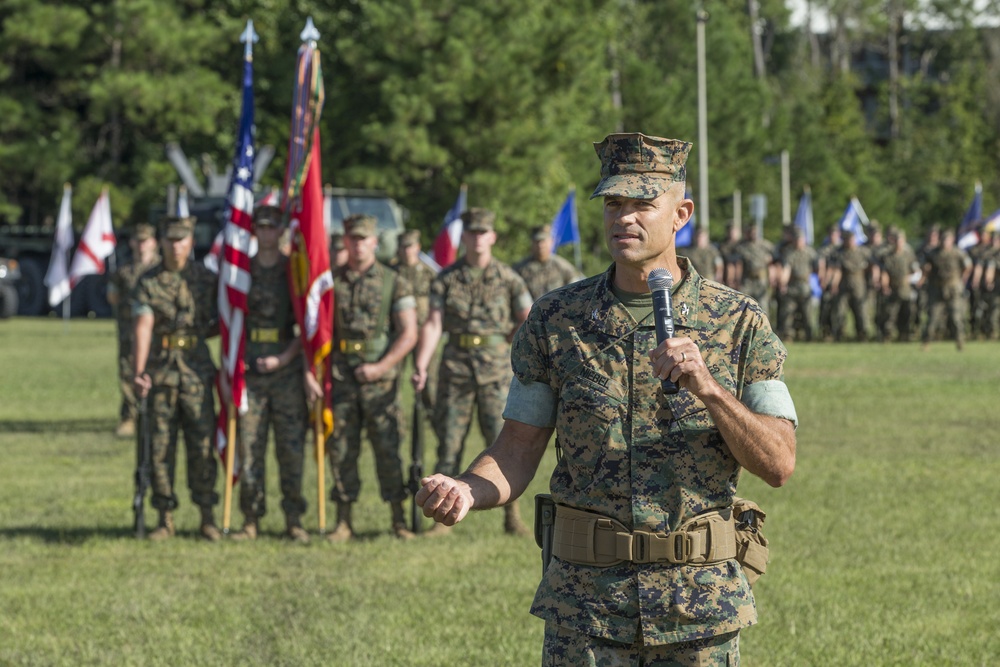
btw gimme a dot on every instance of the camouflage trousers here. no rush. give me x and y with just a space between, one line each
897 319
188 407
276 401
857 304
946 306
796 312
567 648
126 374
373 406
453 416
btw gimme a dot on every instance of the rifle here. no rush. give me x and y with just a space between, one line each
416 462
143 463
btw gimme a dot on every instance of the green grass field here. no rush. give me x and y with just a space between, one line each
884 542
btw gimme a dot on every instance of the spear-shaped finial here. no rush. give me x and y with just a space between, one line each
309 33
249 37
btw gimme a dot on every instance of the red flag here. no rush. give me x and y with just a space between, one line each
450 236
310 279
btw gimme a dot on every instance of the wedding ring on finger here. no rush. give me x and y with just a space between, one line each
684 357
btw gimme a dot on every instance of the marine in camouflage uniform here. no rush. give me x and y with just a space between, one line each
479 302
850 287
795 291
142 243
991 290
729 249
175 308
705 257
756 256
374 328
587 367
946 272
409 265
898 269
544 271
276 397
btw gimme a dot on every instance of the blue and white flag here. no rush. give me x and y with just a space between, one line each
804 217
968 230
855 220
565 227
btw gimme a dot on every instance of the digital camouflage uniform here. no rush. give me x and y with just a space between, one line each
122 283
704 260
647 460
757 256
797 299
185 312
852 293
420 277
946 293
543 277
477 312
274 400
829 255
363 330
898 267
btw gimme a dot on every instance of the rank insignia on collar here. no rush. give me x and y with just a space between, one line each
685 309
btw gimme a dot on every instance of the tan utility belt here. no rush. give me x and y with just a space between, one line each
588 538
178 342
472 340
267 336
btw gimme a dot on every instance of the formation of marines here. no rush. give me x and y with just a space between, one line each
167 310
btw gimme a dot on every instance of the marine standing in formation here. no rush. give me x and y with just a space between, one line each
850 288
705 257
795 291
275 385
479 302
175 309
899 266
543 270
945 273
142 243
637 465
374 328
420 276
756 255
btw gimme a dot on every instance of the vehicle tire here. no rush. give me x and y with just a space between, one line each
31 292
8 301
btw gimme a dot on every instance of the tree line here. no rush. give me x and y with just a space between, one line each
897 103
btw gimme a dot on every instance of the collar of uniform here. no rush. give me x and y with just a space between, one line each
609 315
467 269
353 276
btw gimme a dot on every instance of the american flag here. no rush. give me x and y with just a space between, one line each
234 265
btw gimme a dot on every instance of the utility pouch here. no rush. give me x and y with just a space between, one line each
545 521
751 545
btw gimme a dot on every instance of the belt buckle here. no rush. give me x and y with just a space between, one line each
640 547
356 346
477 341
181 342
680 551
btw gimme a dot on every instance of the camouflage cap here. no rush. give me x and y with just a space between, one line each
173 227
142 231
409 238
268 216
639 167
478 220
360 224
336 242
541 233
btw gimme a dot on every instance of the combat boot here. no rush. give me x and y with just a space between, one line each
343 530
208 529
126 428
249 531
399 528
512 524
165 529
295 532
439 530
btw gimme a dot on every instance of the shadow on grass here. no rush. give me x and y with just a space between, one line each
95 425
71 536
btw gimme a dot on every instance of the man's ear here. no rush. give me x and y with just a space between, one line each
684 211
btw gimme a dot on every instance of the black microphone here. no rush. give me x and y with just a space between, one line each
660 281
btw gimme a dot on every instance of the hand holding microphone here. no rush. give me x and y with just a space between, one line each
660 281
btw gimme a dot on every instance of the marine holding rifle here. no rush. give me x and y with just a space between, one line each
650 561
374 328
175 309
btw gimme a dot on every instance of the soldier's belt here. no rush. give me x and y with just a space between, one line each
178 342
472 340
265 336
588 538
359 346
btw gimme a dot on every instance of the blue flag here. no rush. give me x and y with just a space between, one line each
967 235
804 217
685 235
854 220
565 228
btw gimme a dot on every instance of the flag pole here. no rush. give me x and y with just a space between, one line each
227 504
320 463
